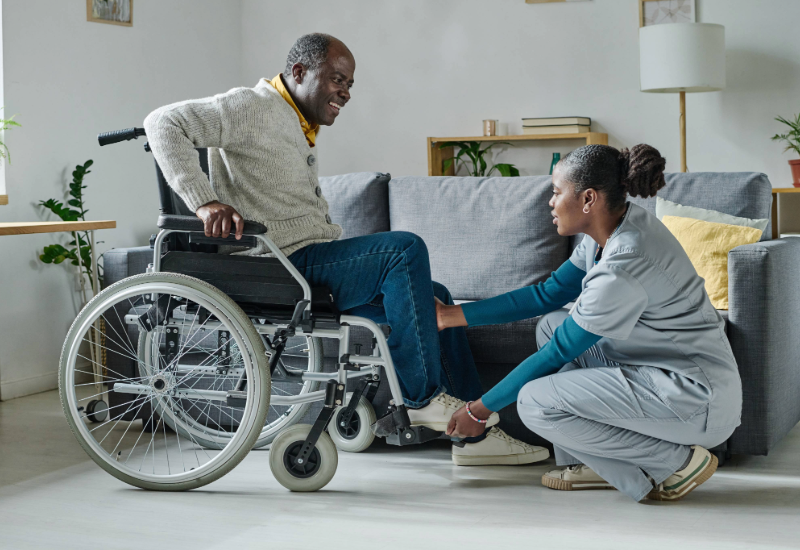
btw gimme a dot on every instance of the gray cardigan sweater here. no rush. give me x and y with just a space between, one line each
259 162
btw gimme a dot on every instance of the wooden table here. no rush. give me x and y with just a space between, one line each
27 228
776 192
436 156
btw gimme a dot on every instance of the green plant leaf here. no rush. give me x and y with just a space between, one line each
446 164
507 170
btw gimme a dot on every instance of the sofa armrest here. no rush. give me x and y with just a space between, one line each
119 263
764 316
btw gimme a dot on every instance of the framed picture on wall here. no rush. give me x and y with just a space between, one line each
113 12
659 12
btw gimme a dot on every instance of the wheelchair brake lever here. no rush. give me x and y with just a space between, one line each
297 316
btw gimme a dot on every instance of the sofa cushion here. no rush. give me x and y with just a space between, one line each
358 202
485 236
742 194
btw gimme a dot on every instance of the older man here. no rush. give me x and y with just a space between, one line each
261 144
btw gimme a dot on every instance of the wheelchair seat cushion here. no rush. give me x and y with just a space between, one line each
256 283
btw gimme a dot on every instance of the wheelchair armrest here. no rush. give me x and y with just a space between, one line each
194 224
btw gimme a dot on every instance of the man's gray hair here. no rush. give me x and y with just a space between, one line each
310 50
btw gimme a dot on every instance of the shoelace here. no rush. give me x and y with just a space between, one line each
505 437
449 401
576 468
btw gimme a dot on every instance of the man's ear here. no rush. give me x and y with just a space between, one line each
298 72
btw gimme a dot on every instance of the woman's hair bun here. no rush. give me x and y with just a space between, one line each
642 170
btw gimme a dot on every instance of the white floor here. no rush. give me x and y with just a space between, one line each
53 496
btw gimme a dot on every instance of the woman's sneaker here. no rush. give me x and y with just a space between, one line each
701 466
436 414
575 478
498 448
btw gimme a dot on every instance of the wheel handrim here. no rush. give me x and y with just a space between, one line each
176 472
300 354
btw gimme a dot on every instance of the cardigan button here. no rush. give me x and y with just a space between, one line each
328 218
311 160
318 191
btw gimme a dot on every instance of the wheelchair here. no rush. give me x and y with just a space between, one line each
226 356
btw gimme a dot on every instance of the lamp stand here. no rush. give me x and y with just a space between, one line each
683 131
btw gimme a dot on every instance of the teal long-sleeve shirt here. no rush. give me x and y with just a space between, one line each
569 340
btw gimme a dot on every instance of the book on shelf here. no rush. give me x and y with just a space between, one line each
558 121
544 130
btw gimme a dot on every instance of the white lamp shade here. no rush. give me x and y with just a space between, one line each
682 57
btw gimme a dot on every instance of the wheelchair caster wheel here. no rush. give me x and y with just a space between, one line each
318 469
97 411
356 435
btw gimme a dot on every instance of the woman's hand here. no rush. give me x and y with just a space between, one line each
461 425
449 316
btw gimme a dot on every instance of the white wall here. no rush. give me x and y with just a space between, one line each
425 68
437 68
68 80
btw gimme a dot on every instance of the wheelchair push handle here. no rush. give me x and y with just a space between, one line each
116 136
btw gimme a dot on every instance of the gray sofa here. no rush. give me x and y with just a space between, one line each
491 235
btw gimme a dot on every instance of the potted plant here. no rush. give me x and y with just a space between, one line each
477 156
792 139
6 124
81 250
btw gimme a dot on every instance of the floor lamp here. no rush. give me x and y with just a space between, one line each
682 57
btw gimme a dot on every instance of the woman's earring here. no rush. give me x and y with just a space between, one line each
585 210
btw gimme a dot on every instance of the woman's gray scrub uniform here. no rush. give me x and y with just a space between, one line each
663 376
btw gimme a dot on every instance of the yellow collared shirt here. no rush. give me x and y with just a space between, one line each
309 131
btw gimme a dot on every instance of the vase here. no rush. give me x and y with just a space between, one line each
795 165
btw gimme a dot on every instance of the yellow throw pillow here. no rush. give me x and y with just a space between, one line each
707 244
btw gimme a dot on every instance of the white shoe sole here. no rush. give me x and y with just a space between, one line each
689 485
564 485
501 460
442 426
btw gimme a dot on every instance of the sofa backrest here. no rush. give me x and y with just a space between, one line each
485 236
743 194
358 202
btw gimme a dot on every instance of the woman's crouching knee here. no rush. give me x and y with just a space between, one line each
536 402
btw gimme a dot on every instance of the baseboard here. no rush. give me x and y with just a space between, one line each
11 389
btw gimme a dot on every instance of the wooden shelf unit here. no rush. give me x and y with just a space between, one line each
27 228
3 199
776 191
436 156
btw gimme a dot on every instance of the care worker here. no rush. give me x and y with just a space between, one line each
637 381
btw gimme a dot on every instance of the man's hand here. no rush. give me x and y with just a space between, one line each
461 425
218 219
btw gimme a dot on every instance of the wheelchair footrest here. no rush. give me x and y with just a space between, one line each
413 435
394 421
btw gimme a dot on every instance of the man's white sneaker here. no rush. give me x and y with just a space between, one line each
436 414
574 478
701 466
498 448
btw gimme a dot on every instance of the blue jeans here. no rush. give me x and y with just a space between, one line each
386 277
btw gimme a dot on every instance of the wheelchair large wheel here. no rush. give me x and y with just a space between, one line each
216 392
300 354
